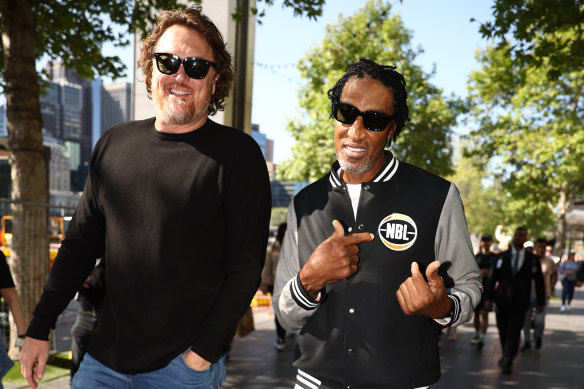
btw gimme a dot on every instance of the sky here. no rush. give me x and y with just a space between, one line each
442 28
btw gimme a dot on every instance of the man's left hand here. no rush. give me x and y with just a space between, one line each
418 297
539 308
196 362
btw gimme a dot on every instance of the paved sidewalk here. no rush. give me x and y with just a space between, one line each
255 364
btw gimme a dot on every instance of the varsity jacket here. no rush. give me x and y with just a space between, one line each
357 335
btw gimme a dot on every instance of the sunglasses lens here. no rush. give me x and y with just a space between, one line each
345 113
167 64
374 121
196 68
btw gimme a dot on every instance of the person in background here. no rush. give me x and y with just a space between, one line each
485 259
528 246
90 298
568 275
550 275
509 286
178 206
8 292
268 277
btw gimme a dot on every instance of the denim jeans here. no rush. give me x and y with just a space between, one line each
80 333
539 320
568 287
5 361
176 375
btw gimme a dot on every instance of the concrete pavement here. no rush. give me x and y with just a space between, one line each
255 364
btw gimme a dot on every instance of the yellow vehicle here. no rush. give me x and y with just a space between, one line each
57 228
6 237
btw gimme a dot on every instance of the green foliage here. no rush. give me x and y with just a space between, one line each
76 32
312 9
278 216
480 192
542 33
375 34
533 123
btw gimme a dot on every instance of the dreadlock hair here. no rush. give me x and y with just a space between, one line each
388 76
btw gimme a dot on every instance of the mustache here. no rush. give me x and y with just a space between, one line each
352 143
179 85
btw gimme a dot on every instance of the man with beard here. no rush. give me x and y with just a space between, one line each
178 207
376 259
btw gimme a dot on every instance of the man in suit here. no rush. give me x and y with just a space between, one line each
513 271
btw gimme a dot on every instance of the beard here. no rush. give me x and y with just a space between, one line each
358 167
176 111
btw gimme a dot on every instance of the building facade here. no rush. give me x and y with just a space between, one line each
116 104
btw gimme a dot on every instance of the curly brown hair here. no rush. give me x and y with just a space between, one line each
192 17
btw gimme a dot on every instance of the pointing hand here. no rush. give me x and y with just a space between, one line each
334 260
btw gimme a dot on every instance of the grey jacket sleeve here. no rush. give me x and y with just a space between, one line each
292 306
453 246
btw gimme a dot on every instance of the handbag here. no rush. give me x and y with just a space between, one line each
245 324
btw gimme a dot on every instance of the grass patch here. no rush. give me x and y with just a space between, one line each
58 366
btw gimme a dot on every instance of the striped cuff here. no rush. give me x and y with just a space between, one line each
301 297
306 381
454 313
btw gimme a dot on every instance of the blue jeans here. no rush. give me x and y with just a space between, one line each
539 320
176 375
568 287
5 361
80 333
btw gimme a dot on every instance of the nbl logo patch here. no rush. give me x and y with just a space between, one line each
398 231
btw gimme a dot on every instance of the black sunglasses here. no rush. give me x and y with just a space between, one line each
373 120
196 68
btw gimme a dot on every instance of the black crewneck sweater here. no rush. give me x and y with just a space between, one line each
181 221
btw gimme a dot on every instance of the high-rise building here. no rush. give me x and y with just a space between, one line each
71 105
266 144
59 165
3 125
116 104
76 123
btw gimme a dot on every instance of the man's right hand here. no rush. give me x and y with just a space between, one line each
33 360
334 260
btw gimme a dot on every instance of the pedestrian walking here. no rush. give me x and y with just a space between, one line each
509 286
568 276
485 259
532 317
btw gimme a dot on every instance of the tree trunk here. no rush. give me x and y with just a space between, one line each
29 259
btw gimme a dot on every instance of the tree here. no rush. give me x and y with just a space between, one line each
540 33
533 123
480 192
312 9
490 202
278 217
75 32
375 34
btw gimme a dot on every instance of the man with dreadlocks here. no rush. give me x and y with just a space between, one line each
377 258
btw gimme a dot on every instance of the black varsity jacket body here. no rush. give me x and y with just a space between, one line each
357 335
